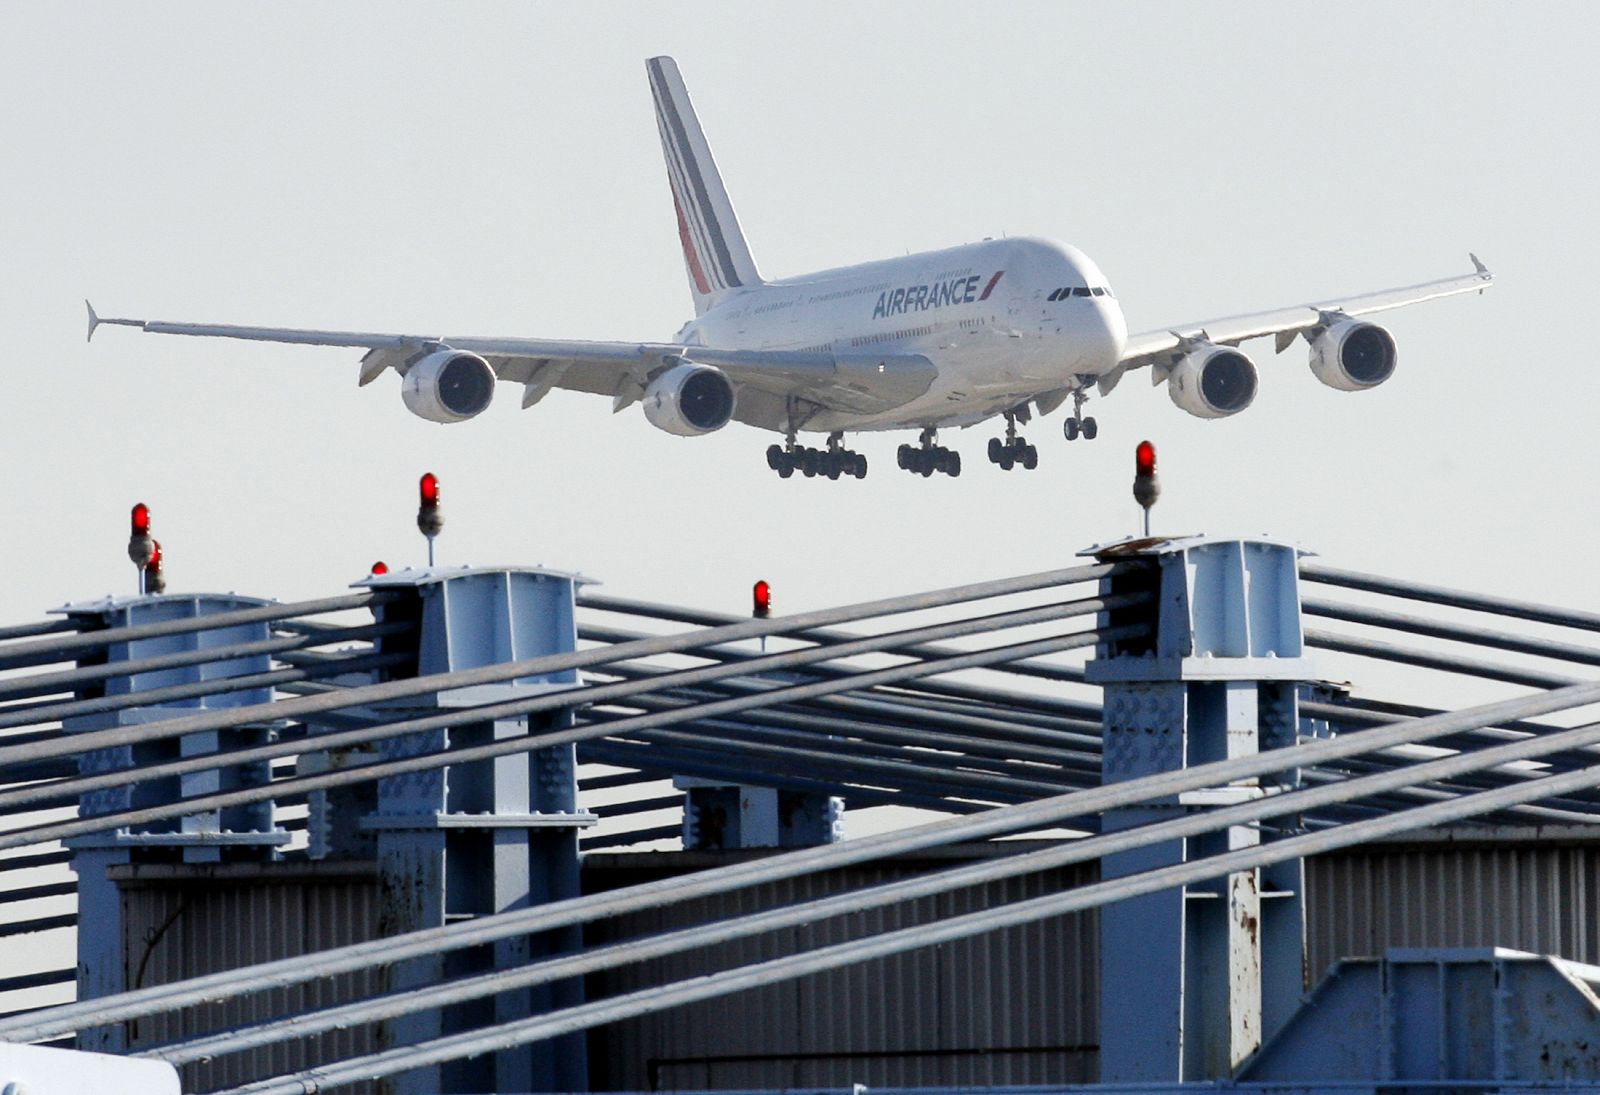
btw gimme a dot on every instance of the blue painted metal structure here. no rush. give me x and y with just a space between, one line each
469 710
1191 976
486 837
1418 1018
239 833
719 815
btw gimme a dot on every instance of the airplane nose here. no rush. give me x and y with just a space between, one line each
1105 336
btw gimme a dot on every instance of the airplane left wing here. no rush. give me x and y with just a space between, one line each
855 383
841 382
1157 346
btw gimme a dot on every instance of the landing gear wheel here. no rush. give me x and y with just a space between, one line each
833 461
1008 457
1030 457
1090 429
1070 429
995 449
928 457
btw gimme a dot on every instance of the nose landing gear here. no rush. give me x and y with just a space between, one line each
1076 424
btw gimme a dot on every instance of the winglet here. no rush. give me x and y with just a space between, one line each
1478 265
95 320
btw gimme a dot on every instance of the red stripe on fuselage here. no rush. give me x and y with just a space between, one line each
987 289
689 256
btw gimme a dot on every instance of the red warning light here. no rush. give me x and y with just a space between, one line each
139 542
1144 459
430 518
1146 487
380 568
761 600
155 556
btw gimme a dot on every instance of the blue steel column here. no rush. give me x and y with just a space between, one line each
245 832
1192 979
489 836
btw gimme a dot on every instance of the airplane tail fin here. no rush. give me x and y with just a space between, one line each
714 248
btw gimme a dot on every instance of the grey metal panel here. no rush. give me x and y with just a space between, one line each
186 923
1534 896
1012 1007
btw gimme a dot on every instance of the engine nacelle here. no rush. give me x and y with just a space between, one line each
1213 382
448 386
689 400
1353 355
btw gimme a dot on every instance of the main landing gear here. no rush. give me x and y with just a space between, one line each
834 461
1076 423
930 457
1013 450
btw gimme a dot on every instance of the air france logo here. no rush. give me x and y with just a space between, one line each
939 294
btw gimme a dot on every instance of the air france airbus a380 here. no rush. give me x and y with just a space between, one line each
949 338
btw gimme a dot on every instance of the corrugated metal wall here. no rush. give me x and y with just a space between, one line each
186 924
1529 894
1021 1006
1018 1006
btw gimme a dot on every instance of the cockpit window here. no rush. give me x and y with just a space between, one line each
1080 291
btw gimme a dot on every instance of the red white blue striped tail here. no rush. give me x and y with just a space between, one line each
714 248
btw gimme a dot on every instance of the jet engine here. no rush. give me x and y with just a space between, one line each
1352 355
689 400
1213 382
448 386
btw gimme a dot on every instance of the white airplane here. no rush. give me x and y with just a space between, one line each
948 338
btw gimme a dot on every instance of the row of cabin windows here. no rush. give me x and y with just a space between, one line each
911 332
840 294
1080 291
892 336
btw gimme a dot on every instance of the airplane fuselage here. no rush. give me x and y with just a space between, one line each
1002 320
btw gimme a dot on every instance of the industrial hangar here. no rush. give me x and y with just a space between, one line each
493 830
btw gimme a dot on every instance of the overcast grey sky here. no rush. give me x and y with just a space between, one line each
494 169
